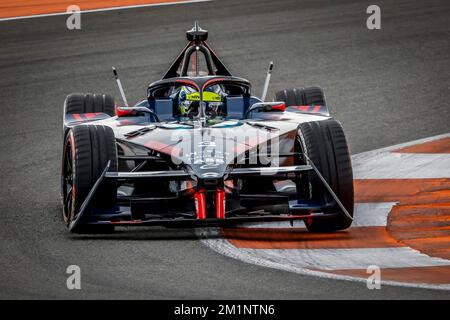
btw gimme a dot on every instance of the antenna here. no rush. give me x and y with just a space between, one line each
119 84
266 83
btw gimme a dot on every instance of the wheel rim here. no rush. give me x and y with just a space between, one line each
68 181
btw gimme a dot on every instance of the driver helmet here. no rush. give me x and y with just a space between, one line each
189 99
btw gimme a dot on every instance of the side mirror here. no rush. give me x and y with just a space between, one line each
266 107
134 111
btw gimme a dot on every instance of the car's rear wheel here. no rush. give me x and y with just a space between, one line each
325 144
301 96
89 103
87 151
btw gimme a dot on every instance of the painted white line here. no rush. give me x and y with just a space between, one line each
388 165
222 246
354 258
401 162
402 145
105 9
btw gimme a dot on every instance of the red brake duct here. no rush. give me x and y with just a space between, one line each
200 204
220 203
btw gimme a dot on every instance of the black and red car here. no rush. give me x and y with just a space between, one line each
201 150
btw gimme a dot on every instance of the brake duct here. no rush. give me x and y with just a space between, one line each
200 203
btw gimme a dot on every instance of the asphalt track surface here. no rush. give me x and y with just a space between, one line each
386 87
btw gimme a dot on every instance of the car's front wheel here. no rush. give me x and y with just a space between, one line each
325 145
87 151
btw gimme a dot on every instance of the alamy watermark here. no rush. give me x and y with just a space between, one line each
213 147
373 22
73 281
374 280
73 22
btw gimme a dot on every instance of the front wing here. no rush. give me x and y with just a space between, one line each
121 215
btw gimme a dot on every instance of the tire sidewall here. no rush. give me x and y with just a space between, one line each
69 141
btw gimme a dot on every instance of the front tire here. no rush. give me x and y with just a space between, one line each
87 151
325 144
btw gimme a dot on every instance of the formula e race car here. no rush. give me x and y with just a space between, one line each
201 150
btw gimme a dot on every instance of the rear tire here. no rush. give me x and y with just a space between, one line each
89 103
326 146
301 96
87 150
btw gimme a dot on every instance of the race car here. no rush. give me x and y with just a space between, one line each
201 150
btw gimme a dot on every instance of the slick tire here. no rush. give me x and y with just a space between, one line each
87 151
325 144
301 96
89 103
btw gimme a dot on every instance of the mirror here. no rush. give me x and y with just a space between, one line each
266 107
